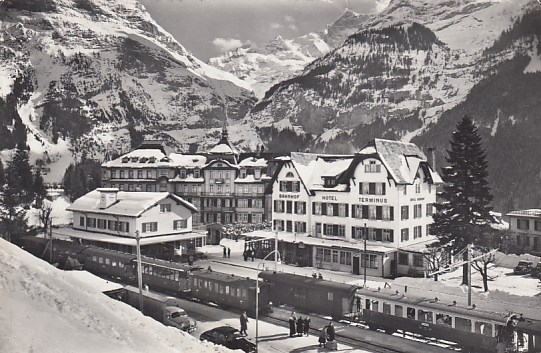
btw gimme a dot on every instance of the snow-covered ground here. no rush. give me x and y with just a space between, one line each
47 310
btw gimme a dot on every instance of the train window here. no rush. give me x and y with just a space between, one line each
462 324
399 310
114 263
100 260
425 316
94 258
411 313
108 261
221 288
483 328
227 290
375 305
368 305
330 296
243 293
443 319
387 308
121 264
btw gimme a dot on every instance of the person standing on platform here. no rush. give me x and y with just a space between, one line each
228 253
322 336
330 332
225 252
306 327
292 327
300 326
243 323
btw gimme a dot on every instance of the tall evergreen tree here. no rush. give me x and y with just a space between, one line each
464 214
38 188
19 176
81 177
2 174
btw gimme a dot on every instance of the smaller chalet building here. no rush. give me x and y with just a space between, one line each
328 208
112 219
525 226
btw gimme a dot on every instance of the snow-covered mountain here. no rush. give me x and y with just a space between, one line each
93 73
408 66
281 58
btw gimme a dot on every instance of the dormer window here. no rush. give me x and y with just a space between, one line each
152 160
329 182
290 175
164 159
134 159
125 159
243 173
196 173
257 173
372 167
183 173
143 159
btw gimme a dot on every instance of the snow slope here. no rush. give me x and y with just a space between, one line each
47 310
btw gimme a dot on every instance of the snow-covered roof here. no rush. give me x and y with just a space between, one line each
248 180
131 204
312 167
187 160
222 149
532 212
253 162
156 158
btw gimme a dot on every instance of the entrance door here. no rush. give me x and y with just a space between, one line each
356 260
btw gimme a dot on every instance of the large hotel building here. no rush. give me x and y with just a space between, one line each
367 212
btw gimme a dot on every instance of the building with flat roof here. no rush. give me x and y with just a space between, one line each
112 219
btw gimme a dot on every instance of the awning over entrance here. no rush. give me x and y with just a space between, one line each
322 242
113 239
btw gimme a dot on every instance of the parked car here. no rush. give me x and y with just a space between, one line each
536 271
229 337
523 267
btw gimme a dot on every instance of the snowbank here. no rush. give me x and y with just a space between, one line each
46 310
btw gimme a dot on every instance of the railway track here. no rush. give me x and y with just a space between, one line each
358 336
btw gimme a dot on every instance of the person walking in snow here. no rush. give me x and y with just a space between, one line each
322 336
306 327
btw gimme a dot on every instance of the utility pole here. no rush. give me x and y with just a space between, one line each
139 272
365 232
469 274
276 253
51 240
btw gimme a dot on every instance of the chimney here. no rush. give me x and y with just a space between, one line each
108 196
432 158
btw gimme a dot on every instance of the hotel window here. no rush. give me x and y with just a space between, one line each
523 224
124 227
417 232
131 187
183 174
316 208
91 222
370 260
82 221
122 173
278 206
372 212
371 234
289 206
372 167
290 186
403 258
405 212
418 188
405 236
113 174
372 188
140 174
196 173
537 226
278 225
130 174
180 224
342 210
102 223
149 174
429 209
289 226
149 187
387 214
388 235
330 209
257 218
428 229
150 227
418 260
165 207
417 211
300 227
242 173
300 207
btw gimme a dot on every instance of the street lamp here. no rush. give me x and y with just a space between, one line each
277 253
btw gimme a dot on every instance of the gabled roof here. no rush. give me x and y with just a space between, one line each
131 204
401 159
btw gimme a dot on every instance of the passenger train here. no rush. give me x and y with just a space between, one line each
474 330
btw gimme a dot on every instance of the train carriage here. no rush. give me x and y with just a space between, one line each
229 291
60 252
472 329
169 277
310 294
108 262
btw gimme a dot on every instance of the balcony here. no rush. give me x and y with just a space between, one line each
219 181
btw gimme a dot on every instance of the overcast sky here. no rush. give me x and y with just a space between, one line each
208 27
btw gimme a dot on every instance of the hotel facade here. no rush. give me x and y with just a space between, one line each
325 207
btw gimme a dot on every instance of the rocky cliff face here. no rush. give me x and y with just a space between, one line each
88 74
281 59
409 74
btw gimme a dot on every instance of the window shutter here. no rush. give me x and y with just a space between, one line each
347 209
365 211
336 207
378 234
360 188
392 235
379 213
313 208
383 189
392 213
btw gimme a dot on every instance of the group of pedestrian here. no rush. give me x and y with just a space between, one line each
227 252
326 334
298 327
249 253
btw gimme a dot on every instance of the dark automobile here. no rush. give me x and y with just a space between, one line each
523 267
229 337
536 271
